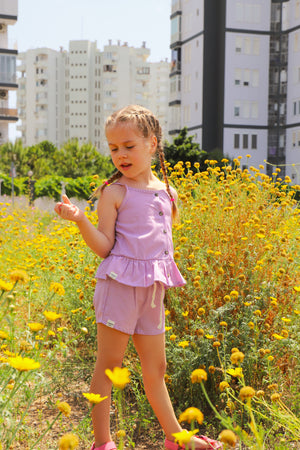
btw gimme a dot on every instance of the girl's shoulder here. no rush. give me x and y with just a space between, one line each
114 193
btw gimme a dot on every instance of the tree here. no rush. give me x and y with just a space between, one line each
183 149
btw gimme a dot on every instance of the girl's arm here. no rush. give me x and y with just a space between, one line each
101 239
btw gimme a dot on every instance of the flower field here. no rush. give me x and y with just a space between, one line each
233 333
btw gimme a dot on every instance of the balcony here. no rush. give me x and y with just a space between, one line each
10 114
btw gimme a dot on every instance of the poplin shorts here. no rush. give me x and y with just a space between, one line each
132 310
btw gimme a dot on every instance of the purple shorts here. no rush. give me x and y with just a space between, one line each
132 310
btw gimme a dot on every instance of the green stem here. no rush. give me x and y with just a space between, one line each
120 414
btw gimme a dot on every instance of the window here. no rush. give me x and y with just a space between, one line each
295 108
255 78
238 44
256 46
237 109
236 141
245 140
237 77
254 110
254 141
247 46
246 77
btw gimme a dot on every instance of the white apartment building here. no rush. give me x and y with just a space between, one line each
8 79
69 94
235 78
82 93
40 97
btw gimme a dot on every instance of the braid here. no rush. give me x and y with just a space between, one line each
175 214
115 176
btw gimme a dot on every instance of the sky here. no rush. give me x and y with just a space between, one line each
53 23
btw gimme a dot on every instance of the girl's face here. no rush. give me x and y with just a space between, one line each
130 151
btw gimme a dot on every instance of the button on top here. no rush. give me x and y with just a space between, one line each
161 213
166 252
156 194
165 231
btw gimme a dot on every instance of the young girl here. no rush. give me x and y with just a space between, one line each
134 236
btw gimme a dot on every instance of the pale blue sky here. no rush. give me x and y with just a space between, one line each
53 23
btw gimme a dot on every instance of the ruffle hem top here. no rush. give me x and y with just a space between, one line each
143 249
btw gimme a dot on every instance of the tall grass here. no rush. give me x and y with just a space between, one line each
237 318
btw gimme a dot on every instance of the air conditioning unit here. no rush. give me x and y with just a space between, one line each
3 94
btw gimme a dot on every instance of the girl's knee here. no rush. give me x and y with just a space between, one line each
152 373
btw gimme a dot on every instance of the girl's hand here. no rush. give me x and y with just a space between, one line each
66 210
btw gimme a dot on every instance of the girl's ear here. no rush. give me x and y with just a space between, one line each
153 143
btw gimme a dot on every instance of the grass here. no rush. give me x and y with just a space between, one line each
237 245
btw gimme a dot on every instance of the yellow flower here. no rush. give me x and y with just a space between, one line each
173 337
209 336
236 373
223 324
201 311
184 436
19 275
4 286
277 336
64 407
94 398
3 335
57 288
119 376
237 357
198 376
51 315
223 385
234 294
285 320
228 437
35 326
296 288
183 344
275 397
68 441
185 314
23 364
191 414
247 392
168 328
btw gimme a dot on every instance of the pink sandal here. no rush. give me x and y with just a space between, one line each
108 446
170 445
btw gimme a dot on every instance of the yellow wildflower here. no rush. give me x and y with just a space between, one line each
3 335
277 336
57 288
237 357
35 326
201 311
23 364
228 437
94 398
184 436
183 344
119 376
247 392
64 407
191 414
4 286
236 373
68 441
223 385
51 315
173 337
198 376
19 275
234 294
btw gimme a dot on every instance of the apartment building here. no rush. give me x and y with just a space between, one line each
40 97
8 56
69 94
235 78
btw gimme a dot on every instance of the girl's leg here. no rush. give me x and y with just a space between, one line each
111 348
151 350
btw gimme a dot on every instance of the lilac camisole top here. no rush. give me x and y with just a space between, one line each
143 249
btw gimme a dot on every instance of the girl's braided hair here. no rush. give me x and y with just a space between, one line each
148 125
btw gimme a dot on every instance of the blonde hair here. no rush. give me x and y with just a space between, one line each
148 125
